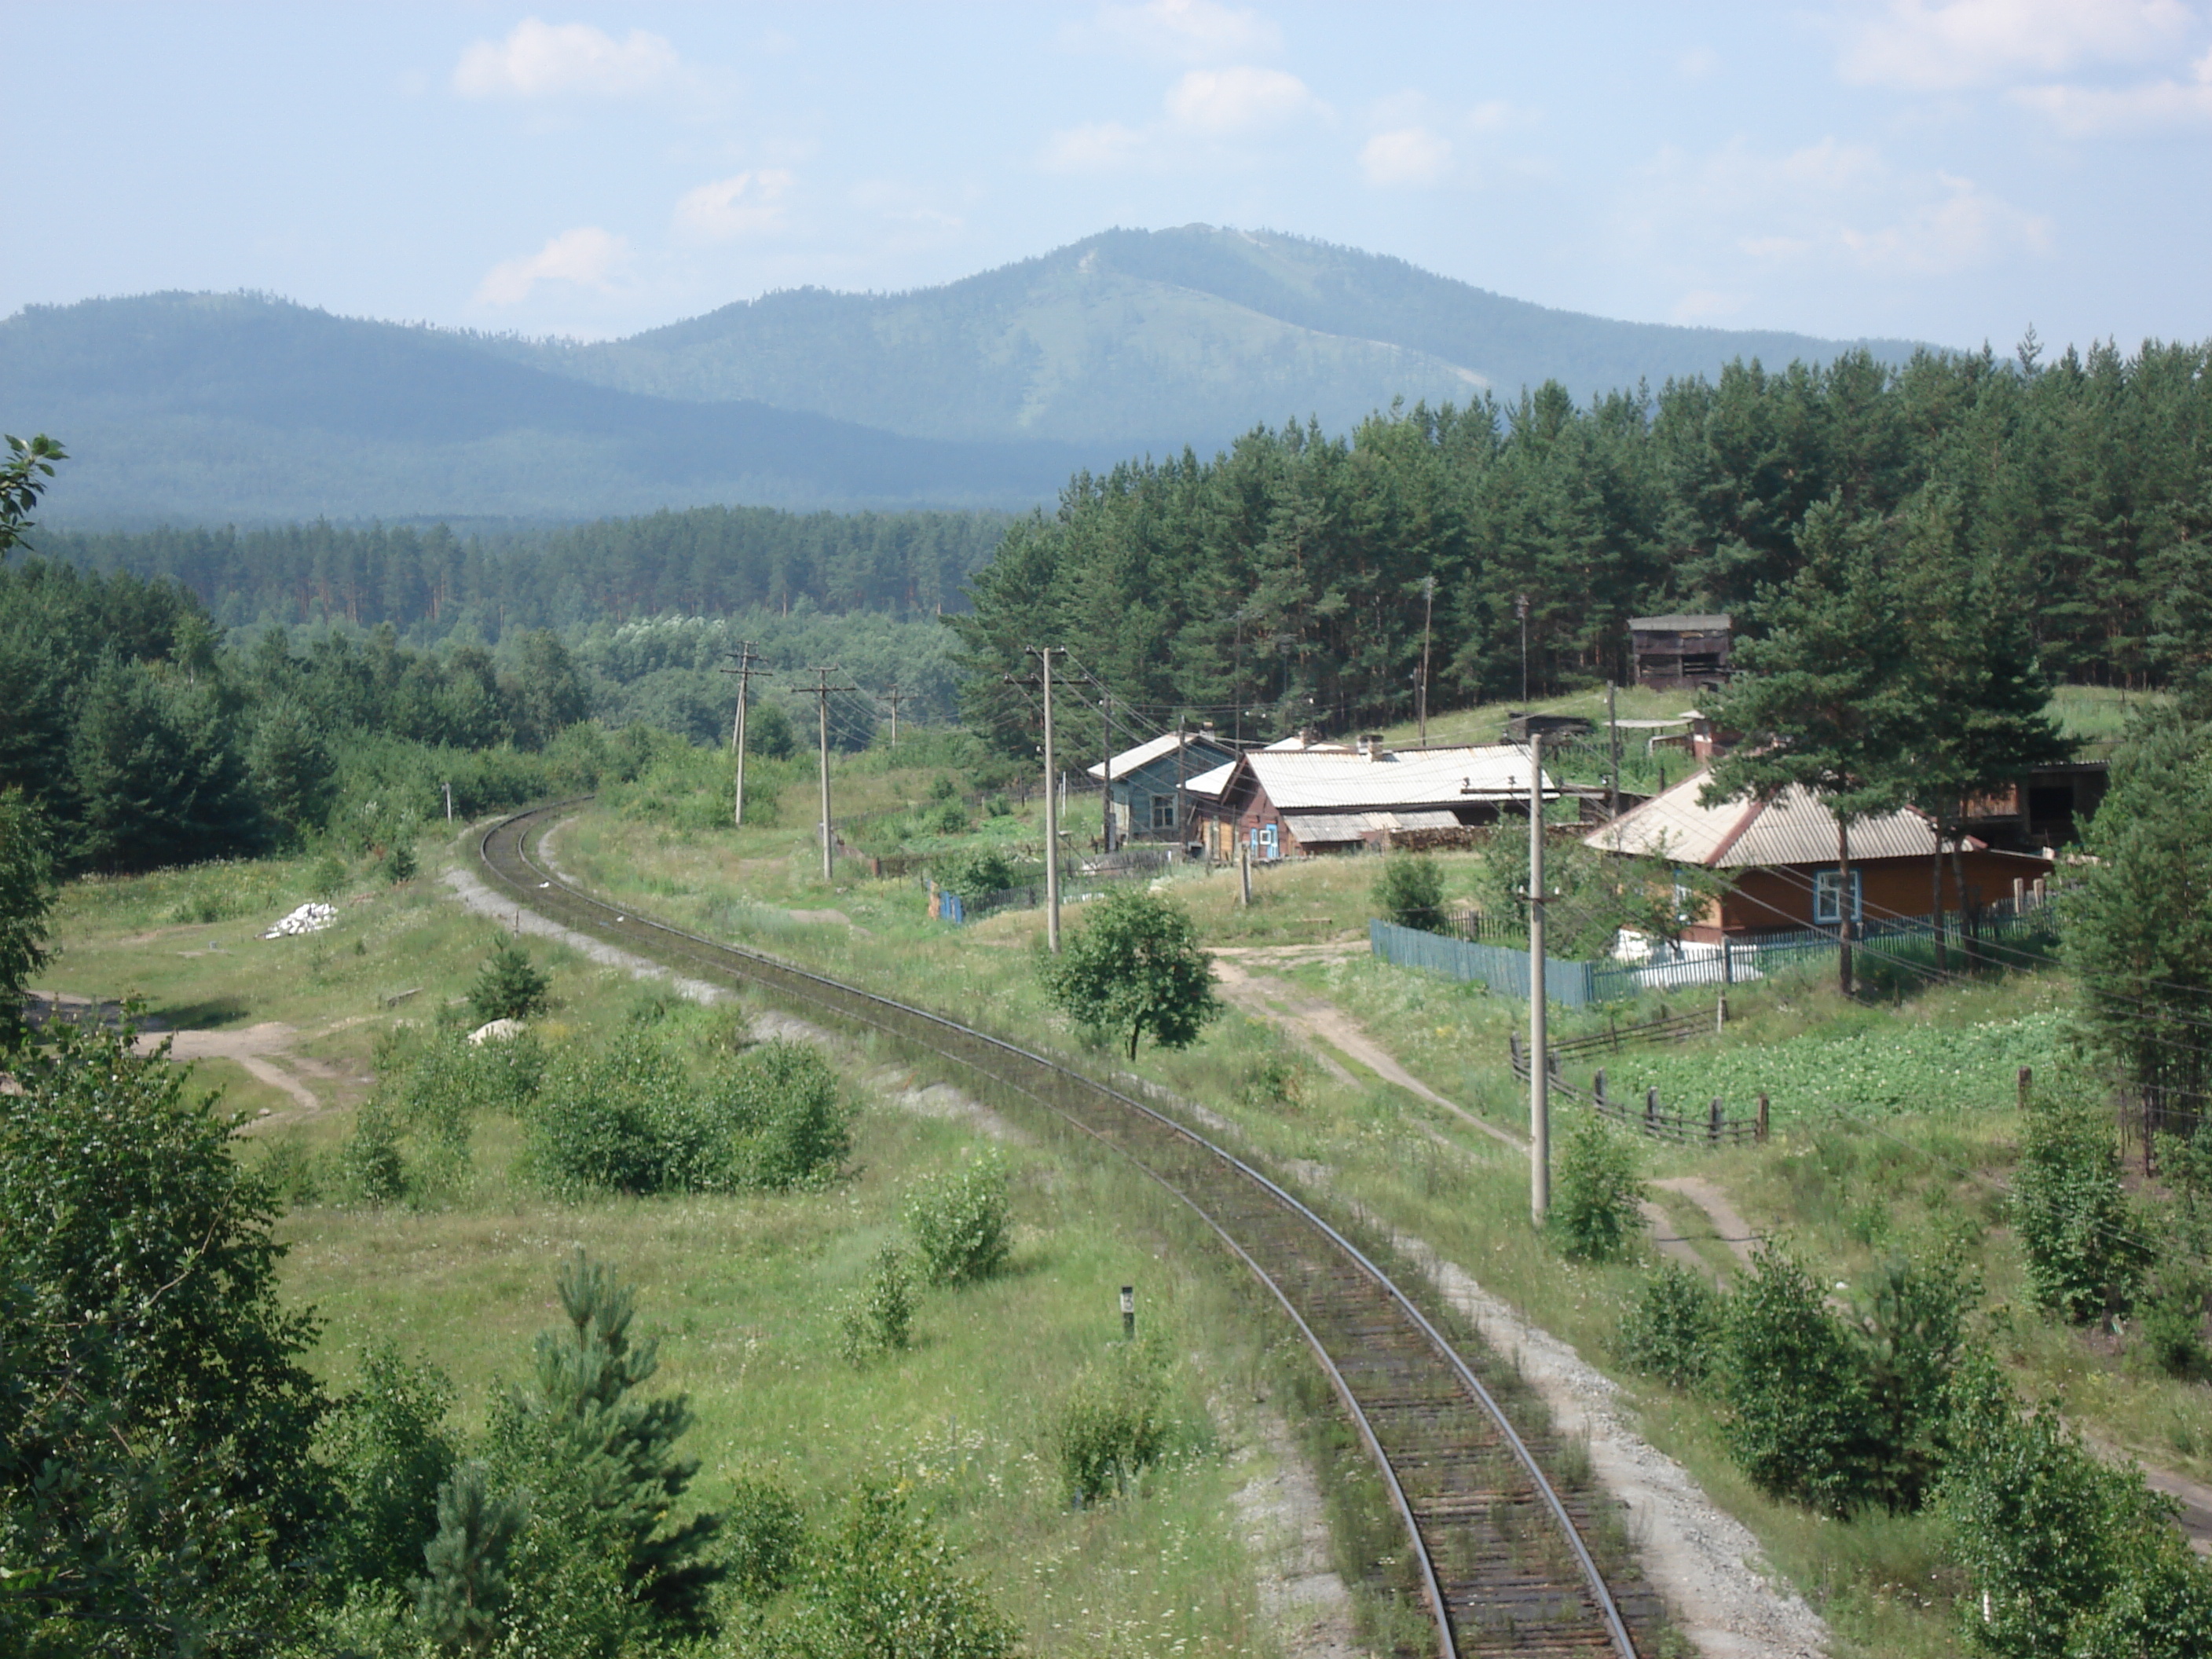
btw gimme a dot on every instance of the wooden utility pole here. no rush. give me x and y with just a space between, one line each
1520 607
822 688
894 696
1428 615
1539 1066
1182 754
745 671
1043 655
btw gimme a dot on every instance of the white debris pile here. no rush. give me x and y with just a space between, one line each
309 918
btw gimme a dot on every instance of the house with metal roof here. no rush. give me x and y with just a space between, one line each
1782 857
1290 802
1148 783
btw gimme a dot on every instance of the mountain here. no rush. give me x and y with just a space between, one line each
197 408
1136 339
988 391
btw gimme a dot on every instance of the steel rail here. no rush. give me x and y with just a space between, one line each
838 998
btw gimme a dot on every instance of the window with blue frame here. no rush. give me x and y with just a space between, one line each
1270 841
1827 889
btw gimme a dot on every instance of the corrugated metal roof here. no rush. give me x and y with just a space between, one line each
1130 759
1310 827
1209 783
1313 780
1716 623
1795 828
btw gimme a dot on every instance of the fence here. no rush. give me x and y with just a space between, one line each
1908 941
1713 1126
1078 880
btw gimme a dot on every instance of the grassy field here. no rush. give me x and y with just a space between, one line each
744 1291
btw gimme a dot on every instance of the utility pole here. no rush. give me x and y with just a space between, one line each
822 688
1182 757
1106 789
448 788
1520 607
1540 1058
894 696
745 671
1613 743
1043 655
1428 616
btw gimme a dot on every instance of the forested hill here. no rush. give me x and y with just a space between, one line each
1154 339
213 408
428 583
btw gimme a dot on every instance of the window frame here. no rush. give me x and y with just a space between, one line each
1826 909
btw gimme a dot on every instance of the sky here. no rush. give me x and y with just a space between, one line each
1952 170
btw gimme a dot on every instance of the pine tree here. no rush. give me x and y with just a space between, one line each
508 986
599 1463
459 1600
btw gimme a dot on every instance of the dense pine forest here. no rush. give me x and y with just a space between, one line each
429 582
1285 578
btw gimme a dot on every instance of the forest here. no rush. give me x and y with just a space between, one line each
1286 581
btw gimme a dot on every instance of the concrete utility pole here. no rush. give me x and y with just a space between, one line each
1613 741
1540 1058
822 688
894 696
1043 655
1106 789
1182 754
1521 608
1428 615
745 671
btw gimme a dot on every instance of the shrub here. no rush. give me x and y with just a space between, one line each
399 862
1596 1198
887 1584
979 871
369 1160
960 1223
1798 1419
1113 1424
2084 1245
389 1454
1671 1328
507 985
879 1316
2170 1318
1410 891
766 1538
786 1117
1910 1343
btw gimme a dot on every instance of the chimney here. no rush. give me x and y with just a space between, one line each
1308 736
1371 746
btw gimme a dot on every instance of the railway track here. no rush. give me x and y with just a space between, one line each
1498 1553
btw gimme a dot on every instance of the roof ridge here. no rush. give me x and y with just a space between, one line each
1751 813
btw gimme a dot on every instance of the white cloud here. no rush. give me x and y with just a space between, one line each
1720 219
539 59
748 204
1183 31
2084 110
1096 145
1947 45
1410 155
1237 99
586 255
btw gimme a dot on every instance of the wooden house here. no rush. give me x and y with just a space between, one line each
1149 783
1285 804
1782 856
1677 651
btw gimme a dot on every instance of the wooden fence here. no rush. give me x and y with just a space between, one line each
1713 1126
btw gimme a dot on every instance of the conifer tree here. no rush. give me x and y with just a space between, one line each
459 1600
508 986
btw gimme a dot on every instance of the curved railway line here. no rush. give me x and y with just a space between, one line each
1496 1552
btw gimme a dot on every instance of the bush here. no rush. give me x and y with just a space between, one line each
1113 1424
1798 1420
2084 1247
979 871
960 1223
369 1161
766 1538
1595 1197
507 985
1671 1328
879 1317
1410 891
2170 1318
632 1118
389 1454
887 1584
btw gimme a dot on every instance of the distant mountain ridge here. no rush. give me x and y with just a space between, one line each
988 391
1156 338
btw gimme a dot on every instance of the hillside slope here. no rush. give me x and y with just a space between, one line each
199 407
1155 339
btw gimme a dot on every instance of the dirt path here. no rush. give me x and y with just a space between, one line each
1319 1021
269 1052
1286 1533
1729 1228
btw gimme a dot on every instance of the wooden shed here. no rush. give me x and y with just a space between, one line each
1674 652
